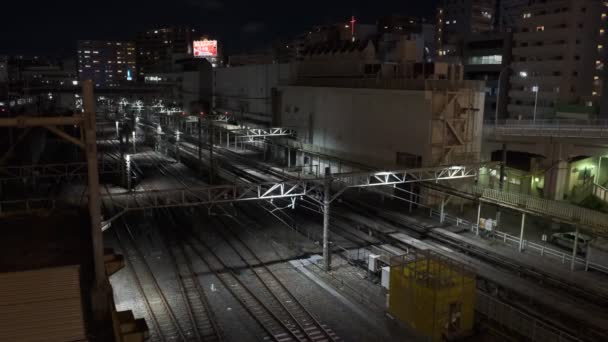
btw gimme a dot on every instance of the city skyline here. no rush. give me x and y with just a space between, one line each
252 26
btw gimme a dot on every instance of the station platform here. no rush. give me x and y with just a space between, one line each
591 317
596 282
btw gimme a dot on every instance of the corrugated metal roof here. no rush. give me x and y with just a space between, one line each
41 305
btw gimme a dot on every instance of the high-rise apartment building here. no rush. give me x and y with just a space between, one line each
108 64
559 57
458 18
156 48
485 57
509 11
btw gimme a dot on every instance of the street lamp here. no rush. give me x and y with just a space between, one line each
522 74
535 90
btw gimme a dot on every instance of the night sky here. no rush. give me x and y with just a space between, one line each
52 27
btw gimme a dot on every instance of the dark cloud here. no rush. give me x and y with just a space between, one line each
253 27
212 5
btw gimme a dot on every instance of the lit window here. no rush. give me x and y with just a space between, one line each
540 28
596 78
603 15
492 59
454 21
594 93
527 15
602 31
600 46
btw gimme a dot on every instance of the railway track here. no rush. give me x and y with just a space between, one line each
274 325
311 328
165 322
205 324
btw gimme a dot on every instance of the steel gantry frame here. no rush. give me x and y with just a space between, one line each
150 199
88 143
57 171
320 190
262 132
211 195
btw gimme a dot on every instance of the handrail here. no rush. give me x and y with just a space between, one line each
600 192
563 211
549 128
514 241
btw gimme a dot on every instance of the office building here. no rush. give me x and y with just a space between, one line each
485 57
3 69
559 59
158 48
394 27
508 12
108 64
457 19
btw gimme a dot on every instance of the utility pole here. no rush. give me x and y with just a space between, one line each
501 182
211 169
200 147
100 290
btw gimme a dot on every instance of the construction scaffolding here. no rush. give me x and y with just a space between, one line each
432 294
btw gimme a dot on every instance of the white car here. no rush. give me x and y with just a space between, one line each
566 240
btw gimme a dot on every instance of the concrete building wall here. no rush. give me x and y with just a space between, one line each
373 126
3 69
559 50
246 91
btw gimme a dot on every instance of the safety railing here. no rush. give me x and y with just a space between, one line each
600 192
549 128
528 246
27 204
507 316
560 210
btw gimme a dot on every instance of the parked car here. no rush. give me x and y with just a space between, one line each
566 240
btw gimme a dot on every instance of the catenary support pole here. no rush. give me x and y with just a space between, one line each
411 204
210 135
478 218
326 204
574 250
200 143
521 233
441 212
100 300
501 183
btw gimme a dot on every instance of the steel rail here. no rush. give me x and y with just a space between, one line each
157 291
275 335
273 278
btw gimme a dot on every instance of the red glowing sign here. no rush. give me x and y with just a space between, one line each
205 48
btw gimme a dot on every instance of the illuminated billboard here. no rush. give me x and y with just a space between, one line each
205 48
